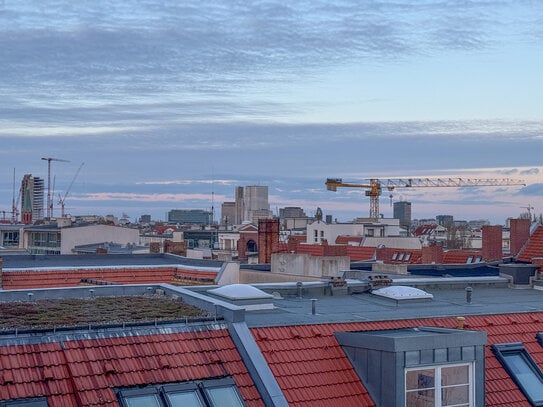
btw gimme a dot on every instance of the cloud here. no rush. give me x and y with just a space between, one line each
150 62
134 197
531 171
532 190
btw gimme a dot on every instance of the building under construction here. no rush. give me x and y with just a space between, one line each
32 204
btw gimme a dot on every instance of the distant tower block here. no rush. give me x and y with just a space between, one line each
402 211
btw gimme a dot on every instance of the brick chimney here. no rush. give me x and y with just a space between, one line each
432 255
268 238
242 248
492 243
519 234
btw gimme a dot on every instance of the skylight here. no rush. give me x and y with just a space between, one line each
399 292
522 369
240 292
33 402
207 393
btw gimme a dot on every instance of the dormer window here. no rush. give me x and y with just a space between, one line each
439 386
424 366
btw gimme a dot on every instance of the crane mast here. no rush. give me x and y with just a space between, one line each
375 186
49 198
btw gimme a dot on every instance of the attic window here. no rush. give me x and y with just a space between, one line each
400 257
208 393
523 370
394 255
469 260
449 385
407 256
33 402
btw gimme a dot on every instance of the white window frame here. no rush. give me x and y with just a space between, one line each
437 381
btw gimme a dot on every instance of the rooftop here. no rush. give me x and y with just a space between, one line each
71 312
489 295
109 260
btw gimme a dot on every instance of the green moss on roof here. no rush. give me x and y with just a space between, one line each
52 313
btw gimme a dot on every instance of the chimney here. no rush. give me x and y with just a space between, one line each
432 255
492 243
518 235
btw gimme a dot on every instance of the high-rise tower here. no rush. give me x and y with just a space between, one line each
32 190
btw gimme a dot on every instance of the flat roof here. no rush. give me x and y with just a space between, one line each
447 301
101 260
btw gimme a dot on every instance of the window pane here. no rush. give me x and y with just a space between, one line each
420 398
452 396
188 399
224 397
149 400
454 375
419 379
525 375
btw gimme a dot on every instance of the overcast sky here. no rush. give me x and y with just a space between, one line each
171 104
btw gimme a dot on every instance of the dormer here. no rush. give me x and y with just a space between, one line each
424 366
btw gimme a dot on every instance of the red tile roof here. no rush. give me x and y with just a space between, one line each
12 280
348 239
86 372
360 253
461 256
532 248
424 230
312 369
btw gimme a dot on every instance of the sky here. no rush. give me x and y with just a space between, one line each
172 104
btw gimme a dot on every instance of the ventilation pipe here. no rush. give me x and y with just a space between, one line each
469 290
460 322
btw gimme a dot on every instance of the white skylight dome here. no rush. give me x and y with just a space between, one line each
399 292
240 292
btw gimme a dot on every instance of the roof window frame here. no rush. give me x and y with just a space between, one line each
502 350
27 402
200 388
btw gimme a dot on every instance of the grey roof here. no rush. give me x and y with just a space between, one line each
101 260
449 300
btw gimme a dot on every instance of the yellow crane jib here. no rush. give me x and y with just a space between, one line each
375 186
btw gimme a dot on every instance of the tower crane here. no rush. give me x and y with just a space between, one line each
49 198
375 186
62 199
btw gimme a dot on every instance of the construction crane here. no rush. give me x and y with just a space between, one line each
376 185
14 203
49 198
62 199
529 208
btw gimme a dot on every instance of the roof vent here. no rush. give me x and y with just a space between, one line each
7 377
109 369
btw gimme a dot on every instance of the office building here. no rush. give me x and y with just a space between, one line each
190 217
402 211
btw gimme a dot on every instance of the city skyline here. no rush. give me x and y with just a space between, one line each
172 105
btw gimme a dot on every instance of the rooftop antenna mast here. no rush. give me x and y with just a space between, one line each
49 198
